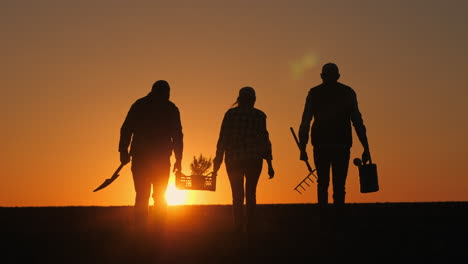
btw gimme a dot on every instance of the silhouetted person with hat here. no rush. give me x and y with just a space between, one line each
244 143
154 130
334 108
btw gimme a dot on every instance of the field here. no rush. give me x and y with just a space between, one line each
404 232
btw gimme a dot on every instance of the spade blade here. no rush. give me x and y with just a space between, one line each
107 182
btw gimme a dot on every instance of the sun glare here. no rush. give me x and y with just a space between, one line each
175 196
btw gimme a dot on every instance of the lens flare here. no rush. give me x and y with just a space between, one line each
301 65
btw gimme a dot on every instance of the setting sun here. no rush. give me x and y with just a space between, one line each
175 196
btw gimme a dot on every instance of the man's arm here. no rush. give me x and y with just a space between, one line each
177 140
126 133
304 128
359 127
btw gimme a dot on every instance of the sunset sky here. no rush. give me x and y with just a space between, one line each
71 69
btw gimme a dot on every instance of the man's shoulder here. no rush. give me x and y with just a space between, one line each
147 101
347 89
316 89
172 105
344 86
139 102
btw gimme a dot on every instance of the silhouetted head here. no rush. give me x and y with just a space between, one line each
161 90
246 97
330 72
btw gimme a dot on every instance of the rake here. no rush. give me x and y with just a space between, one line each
307 179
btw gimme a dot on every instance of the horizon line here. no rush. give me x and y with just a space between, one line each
188 205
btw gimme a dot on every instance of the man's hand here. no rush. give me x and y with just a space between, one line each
177 166
365 156
304 156
124 157
271 172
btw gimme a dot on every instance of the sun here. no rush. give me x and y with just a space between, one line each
175 196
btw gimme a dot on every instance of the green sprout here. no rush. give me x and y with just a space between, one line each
200 165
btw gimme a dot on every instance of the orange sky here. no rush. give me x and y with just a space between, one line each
71 69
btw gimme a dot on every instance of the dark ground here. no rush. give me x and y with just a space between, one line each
287 233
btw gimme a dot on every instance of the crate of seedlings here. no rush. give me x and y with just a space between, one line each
199 179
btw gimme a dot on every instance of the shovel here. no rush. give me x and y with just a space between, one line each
111 179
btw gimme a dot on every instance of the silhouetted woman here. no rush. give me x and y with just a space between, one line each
244 143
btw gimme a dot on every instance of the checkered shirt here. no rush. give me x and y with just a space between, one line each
243 135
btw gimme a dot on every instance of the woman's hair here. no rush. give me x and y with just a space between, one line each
246 97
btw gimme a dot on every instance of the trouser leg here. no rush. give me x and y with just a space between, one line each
148 171
322 165
160 178
253 170
322 160
142 186
340 166
236 179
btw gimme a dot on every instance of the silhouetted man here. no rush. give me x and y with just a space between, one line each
333 106
154 129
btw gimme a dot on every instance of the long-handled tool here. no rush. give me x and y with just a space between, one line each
111 179
311 171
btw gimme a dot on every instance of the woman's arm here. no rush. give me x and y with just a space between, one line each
220 146
268 156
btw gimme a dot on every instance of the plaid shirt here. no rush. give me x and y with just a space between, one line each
243 135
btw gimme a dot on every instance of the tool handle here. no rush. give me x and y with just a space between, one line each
299 146
116 173
295 137
119 168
